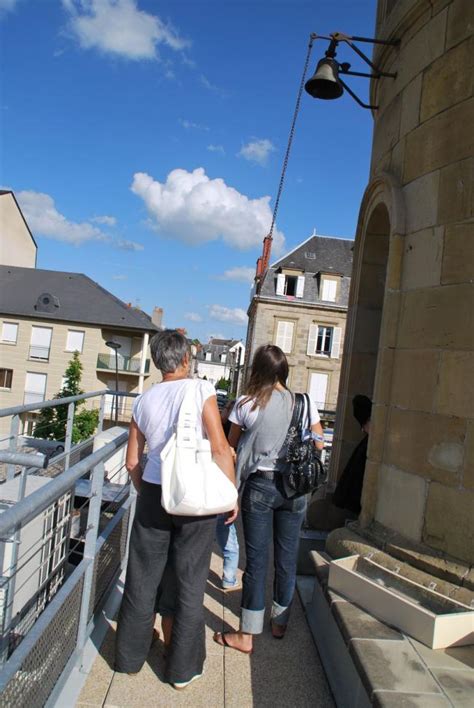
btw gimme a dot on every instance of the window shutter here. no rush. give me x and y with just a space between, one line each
284 336
336 343
9 332
75 341
329 290
300 286
41 337
312 338
280 290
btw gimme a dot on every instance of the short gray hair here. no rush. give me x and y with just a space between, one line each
168 349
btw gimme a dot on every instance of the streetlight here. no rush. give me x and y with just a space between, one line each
116 346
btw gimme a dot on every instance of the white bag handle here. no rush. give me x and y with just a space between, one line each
187 420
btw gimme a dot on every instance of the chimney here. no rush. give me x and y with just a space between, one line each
157 317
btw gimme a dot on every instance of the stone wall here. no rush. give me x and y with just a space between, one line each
419 477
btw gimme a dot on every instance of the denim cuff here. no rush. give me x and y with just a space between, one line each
280 615
251 621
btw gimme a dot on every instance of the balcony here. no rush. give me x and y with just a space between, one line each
126 364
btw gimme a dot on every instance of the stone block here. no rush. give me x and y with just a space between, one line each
458 685
456 193
395 699
372 284
449 521
445 138
468 470
386 132
458 254
383 376
449 80
422 49
391 666
452 658
401 501
397 159
433 318
421 202
390 319
460 22
425 444
395 261
378 424
455 389
411 98
423 258
369 492
414 378
355 623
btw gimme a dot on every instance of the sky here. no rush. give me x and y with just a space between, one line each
144 141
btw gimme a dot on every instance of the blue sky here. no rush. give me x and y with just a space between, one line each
144 141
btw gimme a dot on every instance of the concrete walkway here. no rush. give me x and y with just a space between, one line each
279 673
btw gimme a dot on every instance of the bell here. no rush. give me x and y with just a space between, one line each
325 82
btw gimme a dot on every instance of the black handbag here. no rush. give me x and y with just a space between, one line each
304 471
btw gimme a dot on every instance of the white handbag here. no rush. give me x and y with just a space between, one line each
191 482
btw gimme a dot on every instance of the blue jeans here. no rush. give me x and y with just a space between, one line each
267 516
229 544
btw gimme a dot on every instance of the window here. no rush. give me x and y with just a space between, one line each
35 387
290 285
9 332
324 341
208 356
223 358
6 376
75 341
329 290
284 336
40 343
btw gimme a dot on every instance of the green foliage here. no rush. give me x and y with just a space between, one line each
223 384
51 423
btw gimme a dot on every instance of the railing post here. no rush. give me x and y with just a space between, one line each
90 548
13 443
100 426
67 443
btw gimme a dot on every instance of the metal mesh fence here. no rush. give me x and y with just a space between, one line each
109 559
32 684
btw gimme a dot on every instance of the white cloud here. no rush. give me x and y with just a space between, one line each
124 245
216 148
240 273
7 4
189 125
118 27
44 219
107 220
196 209
257 151
227 314
120 276
193 316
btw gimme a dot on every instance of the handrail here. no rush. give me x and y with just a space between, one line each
15 410
32 505
36 460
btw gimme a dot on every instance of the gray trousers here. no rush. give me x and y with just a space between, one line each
189 540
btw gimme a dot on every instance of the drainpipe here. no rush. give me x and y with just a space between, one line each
141 379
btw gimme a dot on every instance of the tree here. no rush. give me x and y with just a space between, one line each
223 384
51 423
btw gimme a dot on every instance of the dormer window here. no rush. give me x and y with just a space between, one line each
329 287
208 356
290 284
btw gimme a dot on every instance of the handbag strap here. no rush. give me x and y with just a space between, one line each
187 418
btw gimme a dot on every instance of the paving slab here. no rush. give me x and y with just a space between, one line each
450 658
458 686
355 623
393 699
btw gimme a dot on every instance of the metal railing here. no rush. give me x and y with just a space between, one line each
128 364
43 642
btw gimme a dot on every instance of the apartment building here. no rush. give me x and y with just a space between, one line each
45 316
301 306
221 359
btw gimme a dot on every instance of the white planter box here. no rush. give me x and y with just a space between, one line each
424 614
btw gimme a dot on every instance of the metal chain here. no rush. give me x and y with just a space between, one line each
290 138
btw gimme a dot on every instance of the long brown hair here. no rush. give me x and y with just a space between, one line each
269 367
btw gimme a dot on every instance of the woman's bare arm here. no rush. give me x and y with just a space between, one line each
219 446
234 435
318 429
135 447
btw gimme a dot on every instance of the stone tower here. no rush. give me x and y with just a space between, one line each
410 330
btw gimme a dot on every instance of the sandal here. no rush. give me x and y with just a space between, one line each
278 630
220 638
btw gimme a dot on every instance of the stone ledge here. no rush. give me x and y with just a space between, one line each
370 663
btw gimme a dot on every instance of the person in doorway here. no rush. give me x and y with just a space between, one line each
348 491
260 422
155 532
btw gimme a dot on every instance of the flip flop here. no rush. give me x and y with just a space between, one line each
219 638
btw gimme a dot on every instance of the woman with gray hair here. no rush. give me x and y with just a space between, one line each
155 533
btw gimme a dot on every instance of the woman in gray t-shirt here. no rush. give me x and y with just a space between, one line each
260 422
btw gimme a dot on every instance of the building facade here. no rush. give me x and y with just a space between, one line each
221 359
410 331
301 306
45 316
